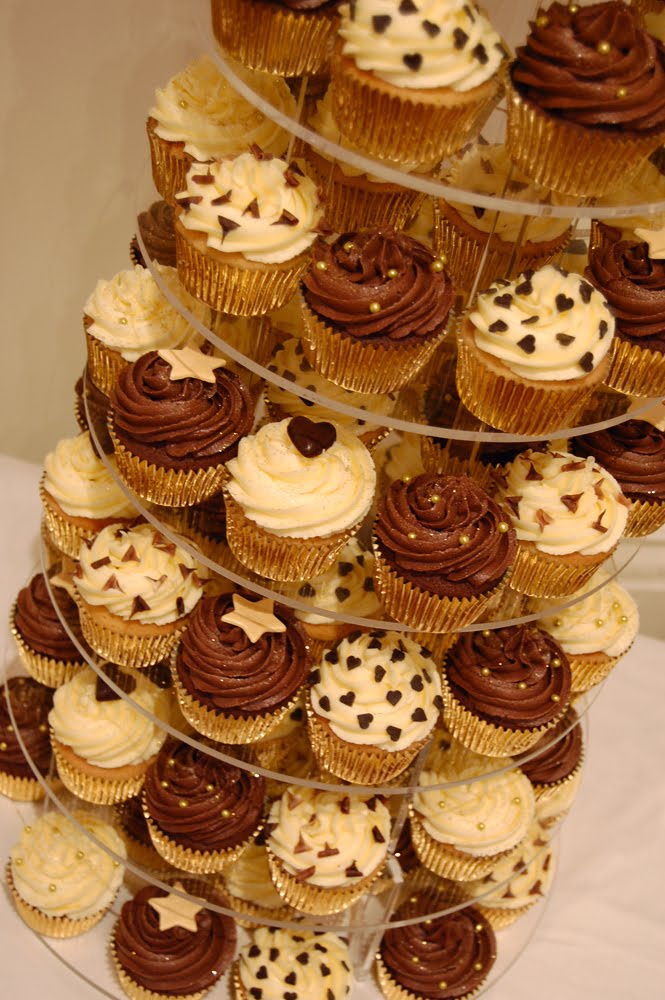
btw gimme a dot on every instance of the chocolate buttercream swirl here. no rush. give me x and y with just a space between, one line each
439 959
306 6
634 286
156 226
516 655
220 666
184 421
445 534
596 66
177 961
39 625
129 816
209 517
223 804
633 452
31 703
87 394
378 285
561 755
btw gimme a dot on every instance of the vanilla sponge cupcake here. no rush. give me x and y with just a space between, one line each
297 964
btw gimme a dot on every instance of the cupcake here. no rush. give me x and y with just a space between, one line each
286 741
176 418
103 744
62 881
130 823
165 944
533 350
442 548
325 849
80 495
198 117
410 89
375 306
586 98
200 811
248 886
555 771
504 689
44 644
569 515
156 229
301 964
595 629
244 229
374 701
134 591
297 492
239 667
91 409
30 704
645 186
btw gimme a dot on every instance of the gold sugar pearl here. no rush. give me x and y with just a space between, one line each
603 48
479 928
556 662
443 985
375 307
116 864
616 606
522 685
3 745
428 923
392 272
480 826
413 899
621 92
442 804
556 698
407 479
183 803
503 526
171 762
486 633
478 966
18 862
52 887
412 535
557 623
348 246
623 619
226 813
599 622
517 801
27 829
435 498
542 21
573 8
210 788
415 960
485 671
255 774
164 784
321 265
464 539
183 104
10 729
438 265
123 321
80 854
43 728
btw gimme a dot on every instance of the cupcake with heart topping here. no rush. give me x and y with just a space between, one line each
30 705
296 964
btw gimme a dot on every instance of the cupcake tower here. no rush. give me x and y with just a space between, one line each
306 265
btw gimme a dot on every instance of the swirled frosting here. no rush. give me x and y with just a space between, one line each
564 69
109 734
130 314
199 108
348 587
176 961
157 232
605 621
517 881
52 851
328 839
288 493
646 185
378 689
40 627
633 452
634 285
223 669
30 703
438 959
248 878
254 205
129 818
223 804
81 483
544 325
137 574
185 422
445 534
561 754
515 656
300 965
413 299
423 46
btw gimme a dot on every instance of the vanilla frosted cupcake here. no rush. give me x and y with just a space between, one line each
249 888
62 882
569 515
134 590
298 963
79 494
325 849
198 116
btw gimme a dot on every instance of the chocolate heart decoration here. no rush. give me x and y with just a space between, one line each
126 683
309 437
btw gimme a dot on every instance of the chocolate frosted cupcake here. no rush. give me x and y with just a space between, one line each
375 306
239 667
42 641
156 226
130 823
555 772
200 811
442 549
30 704
504 688
90 402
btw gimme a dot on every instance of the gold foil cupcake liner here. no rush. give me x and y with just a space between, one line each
393 991
636 370
251 915
97 789
314 899
126 643
190 860
170 164
448 861
20 789
136 992
42 923
644 517
68 533
500 917
589 669
51 552
550 793
104 364
45 669
438 643
538 574
437 458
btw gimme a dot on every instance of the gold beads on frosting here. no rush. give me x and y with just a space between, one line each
480 826
503 526
392 272
435 498
443 985
486 633
18 862
485 671
522 685
412 535
556 662
542 21
123 321
623 619
80 854
171 762
517 801
52 887
321 265
616 606
599 622
183 803
43 728
375 307
415 960
603 48
621 92
183 104
557 623
3 745
438 264
348 246
210 788
226 814
478 966
556 698
479 928
464 539
573 8
164 784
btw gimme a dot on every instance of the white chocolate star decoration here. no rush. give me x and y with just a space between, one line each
254 617
188 363
175 911
655 239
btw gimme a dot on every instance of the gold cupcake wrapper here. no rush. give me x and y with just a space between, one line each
52 553
67 534
502 916
98 789
126 644
143 855
170 164
644 517
272 38
436 458
547 794
190 860
393 991
42 923
538 574
104 364
251 915
232 288
136 992
636 370
406 602
313 898
589 669
448 861
20 789
569 158
48 671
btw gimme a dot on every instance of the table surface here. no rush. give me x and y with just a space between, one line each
602 933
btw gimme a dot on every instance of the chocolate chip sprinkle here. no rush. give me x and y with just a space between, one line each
227 225
397 656
419 715
104 561
311 438
524 288
365 719
252 208
498 326
286 219
602 328
460 38
478 212
344 568
430 28
331 656
563 302
586 362
180 606
533 475
292 977
412 61
379 673
254 951
417 682
408 7
504 300
378 836
352 662
203 178
345 805
571 501
393 697
394 732
222 199
438 702
565 339
529 320
479 52
586 291
112 584
543 518
381 22
306 590
374 644
353 871
348 698
527 343
324 702
130 555
598 523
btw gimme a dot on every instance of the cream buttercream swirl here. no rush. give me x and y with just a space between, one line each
109 733
137 574
644 186
130 314
81 483
431 44
378 689
605 621
563 504
340 837
199 108
248 878
347 587
302 964
258 206
517 882
289 494
544 325
52 851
